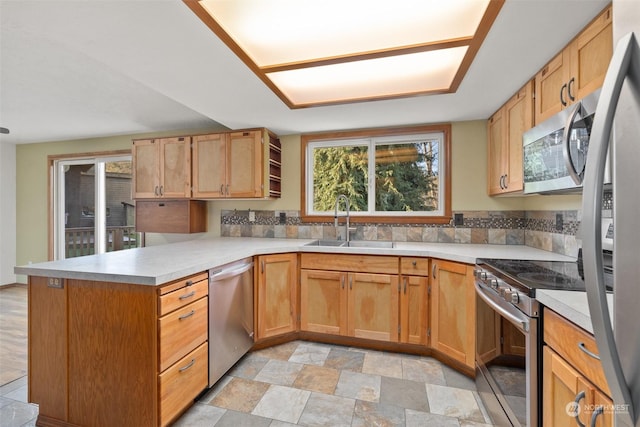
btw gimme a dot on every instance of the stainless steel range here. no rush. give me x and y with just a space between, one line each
509 333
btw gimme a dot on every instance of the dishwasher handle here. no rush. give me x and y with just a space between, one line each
221 274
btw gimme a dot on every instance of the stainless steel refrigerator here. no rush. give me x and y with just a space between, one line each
617 123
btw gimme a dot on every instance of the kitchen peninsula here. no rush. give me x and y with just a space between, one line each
99 350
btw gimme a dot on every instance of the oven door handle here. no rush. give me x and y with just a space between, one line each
505 309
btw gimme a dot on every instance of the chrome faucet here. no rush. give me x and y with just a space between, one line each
346 215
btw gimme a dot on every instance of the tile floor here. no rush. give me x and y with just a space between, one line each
310 384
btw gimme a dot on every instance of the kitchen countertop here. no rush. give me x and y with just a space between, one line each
572 305
156 265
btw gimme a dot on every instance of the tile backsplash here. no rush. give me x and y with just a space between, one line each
548 230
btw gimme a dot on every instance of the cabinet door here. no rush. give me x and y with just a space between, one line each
175 167
244 164
453 311
209 165
562 385
323 302
373 306
550 82
276 294
146 168
496 142
413 309
591 52
519 118
603 405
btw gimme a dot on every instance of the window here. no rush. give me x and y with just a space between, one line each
92 208
388 176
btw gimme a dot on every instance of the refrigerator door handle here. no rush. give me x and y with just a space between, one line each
566 146
625 58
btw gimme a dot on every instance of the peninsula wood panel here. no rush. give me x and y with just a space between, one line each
368 263
112 354
323 302
47 338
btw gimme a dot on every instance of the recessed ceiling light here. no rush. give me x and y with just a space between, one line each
319 52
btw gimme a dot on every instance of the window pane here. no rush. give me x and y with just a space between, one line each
79 210
340 170
120 215
407 177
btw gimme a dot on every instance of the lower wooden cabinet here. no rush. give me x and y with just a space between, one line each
276 295
453 311
323 301
413 309
372 311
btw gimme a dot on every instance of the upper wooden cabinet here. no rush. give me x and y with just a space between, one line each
576 71
453 311
242 164
162 168
505 129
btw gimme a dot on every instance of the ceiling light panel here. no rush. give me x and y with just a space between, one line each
286 31
318 52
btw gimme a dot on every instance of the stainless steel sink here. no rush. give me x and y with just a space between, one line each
371 244
353 243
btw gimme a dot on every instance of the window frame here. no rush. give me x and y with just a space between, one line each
389 133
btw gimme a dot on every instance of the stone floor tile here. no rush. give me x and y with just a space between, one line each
404 393
345 359
279 372
213 391
200 415
240 395
15 414
317 378
425 370
310 354
20 394
421 419
249 366
282 403
467 423
368 414
326 410
381 364
279 352
454 402
359 386
240 419
456 379
278 423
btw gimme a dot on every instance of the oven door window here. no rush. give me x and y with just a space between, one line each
501 354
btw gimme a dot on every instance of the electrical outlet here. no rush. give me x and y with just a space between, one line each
283 218
252 216
559 222
458 219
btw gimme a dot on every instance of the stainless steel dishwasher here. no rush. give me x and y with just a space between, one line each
230 316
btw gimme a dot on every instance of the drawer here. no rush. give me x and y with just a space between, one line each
182 382
183 296
414 266
566 339
356 263
181 331
185 281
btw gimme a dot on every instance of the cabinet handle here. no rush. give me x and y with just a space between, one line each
185 296
190 364
569 86
188 283
584 348
576 408
155 191
189 314
414 263
342 281
162 190
433 270
596 413
562 101
262 267
351 282
405 285
222 189
505 182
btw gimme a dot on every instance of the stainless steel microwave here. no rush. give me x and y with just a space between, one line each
555 151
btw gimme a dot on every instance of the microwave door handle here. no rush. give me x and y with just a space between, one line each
566 147
625 58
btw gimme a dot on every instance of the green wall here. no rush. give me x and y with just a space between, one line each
468 173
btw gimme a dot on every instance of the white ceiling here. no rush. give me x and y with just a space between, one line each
80 69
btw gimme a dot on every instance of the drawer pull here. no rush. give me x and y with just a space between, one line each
189 295
188 283
582 347
190 364
596 413
189 314
576 408
414 263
